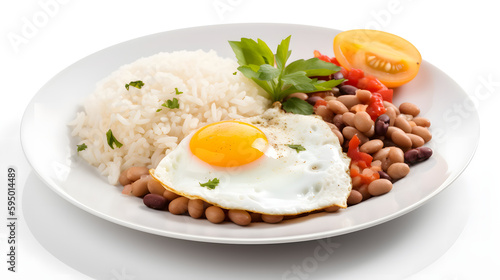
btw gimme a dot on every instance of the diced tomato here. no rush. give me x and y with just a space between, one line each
357 156
353 77
370 83
321 56
386 94
375 106
320 102
334 61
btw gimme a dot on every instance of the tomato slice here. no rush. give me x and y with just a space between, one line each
391 59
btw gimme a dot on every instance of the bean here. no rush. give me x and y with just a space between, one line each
339 136
354 197
135 172
155 187
348 100
384 175
337 75
392 129
418 155
215 214
348 118
299 95
392 115
350 131
363 190
272 219
256 217
239 217
123 178
328 98
407 117
412 123
347 90
127 189
331 209
338 122
422 132
416 141
371 132
362 121
155 201
325 113
337 107
356 182
382 155
169 195
388 105
398 170
379 187
401 139
179 205
313 99
140 187
396 155
382 124
195 208
409 108
363 95
402 123
422 121
372 146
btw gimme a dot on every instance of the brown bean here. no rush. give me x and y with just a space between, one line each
401 139
422 132
409 108
363 95
363 190
338 122
135 172
348 100
382 154
391 130
325 113
372 146
388 105
396 155
123 178
272 219
339 136
370 132
155 201
348 118
402 123
239 217
350 131
379 187
398 170
127 189
354 197
337 107
331 209
328 98
256 217
363 121
215 214
195 208
169 195
407 117
179 205
140 187
356 182
420 121
416 141
299 95
392 115
155 187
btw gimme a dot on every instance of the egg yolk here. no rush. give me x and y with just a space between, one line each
228 143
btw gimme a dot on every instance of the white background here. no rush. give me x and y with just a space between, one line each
454 236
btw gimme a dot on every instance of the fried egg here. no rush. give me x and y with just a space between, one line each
276 163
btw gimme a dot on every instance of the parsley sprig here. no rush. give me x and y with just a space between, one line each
112 140
211 184
271 72
298 147
136 84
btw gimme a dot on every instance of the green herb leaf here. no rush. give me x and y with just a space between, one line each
81 147
137 84
298 148
112 140
298 106
313 67
171 104
177 92
234 73
158 110
282 53
211 184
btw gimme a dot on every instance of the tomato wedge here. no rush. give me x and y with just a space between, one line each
391 59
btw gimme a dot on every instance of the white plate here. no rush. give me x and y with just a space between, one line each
52 152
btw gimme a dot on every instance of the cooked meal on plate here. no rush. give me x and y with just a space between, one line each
259 138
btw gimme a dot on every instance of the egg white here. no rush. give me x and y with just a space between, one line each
281 182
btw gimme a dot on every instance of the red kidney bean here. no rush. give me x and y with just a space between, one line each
347 90
338 122
381 125
313 99
155 201
384 175
418 155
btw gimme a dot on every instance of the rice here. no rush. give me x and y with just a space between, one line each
212 90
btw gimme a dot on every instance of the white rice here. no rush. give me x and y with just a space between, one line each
211 93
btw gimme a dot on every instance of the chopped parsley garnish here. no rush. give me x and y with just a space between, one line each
298 148
257 62
297 106
211 184
171 104
81 147
136 84
112 140
177 92
235 73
